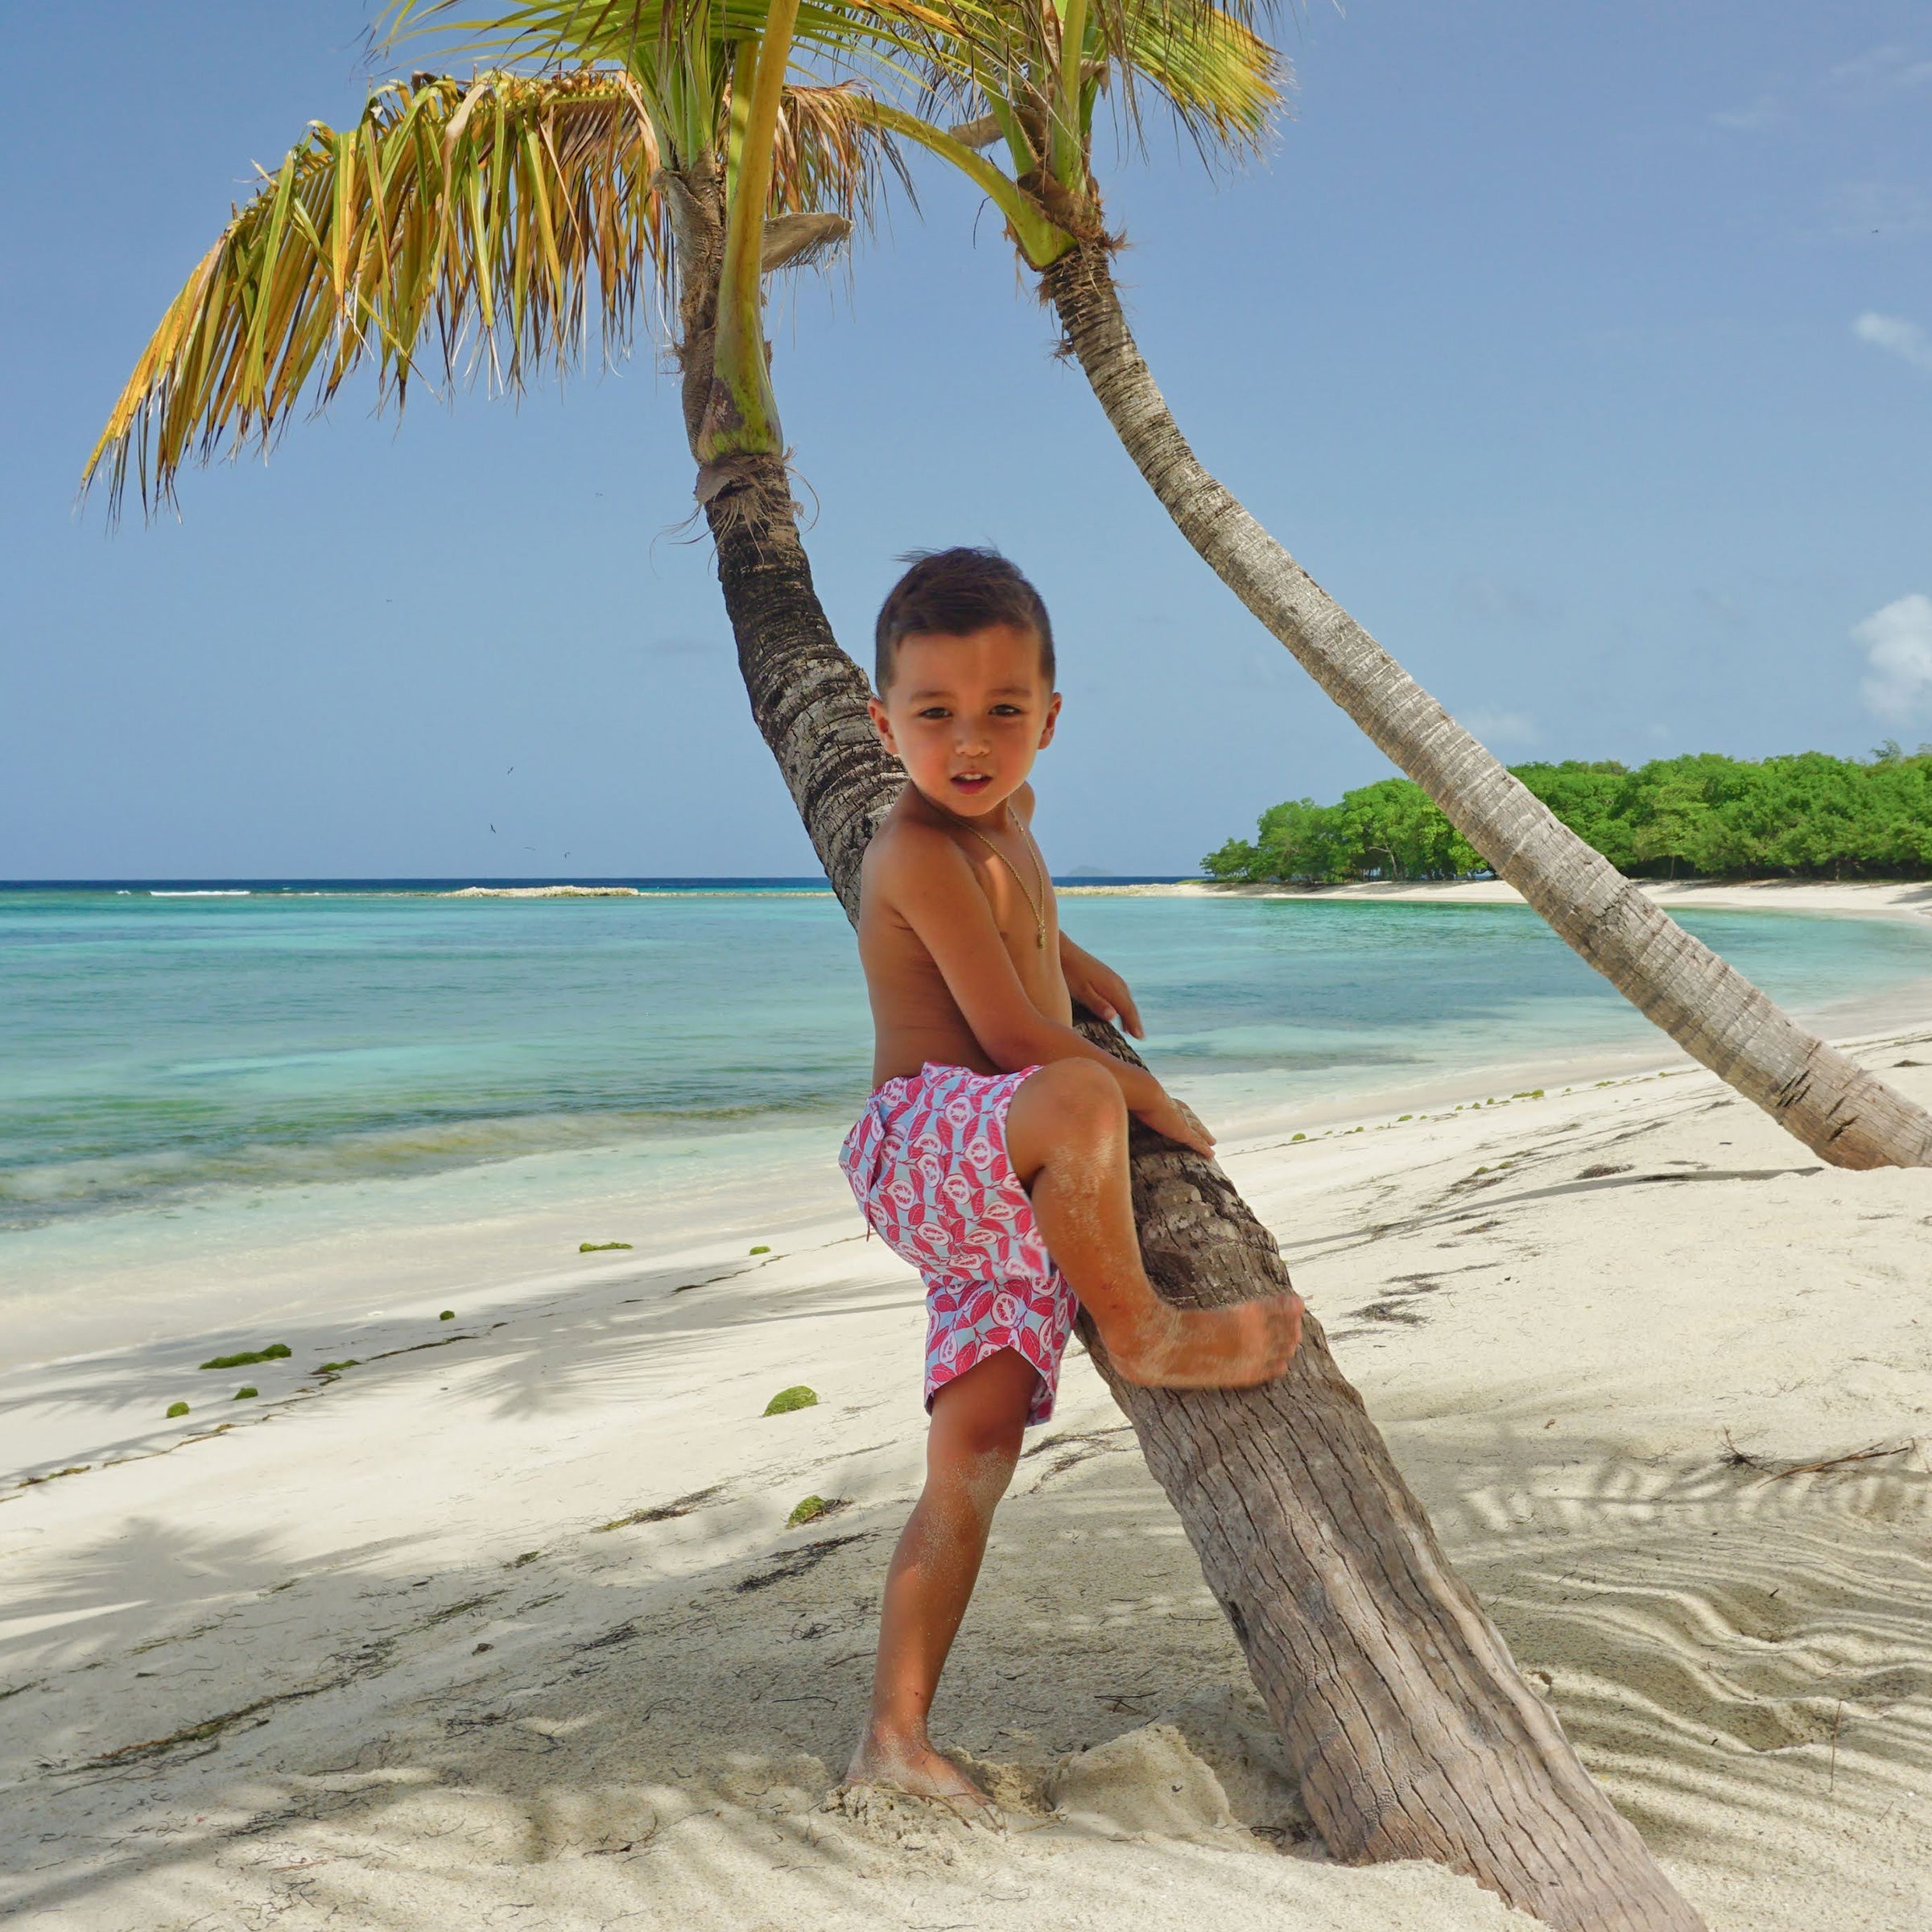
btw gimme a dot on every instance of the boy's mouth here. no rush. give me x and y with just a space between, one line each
972 781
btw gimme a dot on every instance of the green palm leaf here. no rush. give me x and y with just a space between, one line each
1205 65
1212 71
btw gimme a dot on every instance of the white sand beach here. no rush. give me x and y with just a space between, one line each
504 1626
1890 898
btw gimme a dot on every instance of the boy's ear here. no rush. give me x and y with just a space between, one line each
1053 718
882 724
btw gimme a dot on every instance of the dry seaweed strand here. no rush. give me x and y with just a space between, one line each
1735 1457
1876 1452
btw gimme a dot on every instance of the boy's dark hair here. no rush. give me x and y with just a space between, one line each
952 593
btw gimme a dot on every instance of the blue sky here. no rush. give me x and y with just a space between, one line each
1585 353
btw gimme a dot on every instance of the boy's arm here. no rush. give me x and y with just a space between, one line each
1096 986
1092 983
926 879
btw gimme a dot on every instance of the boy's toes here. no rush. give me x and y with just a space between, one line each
976 1809
909 1818
915 1769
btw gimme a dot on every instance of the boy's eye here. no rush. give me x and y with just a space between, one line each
934 710
1006 711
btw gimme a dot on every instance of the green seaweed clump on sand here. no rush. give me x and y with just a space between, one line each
788 1399
599 1247
244 1392
809 1511
448 1315
175 1409
761 1250
275 1351
336 1368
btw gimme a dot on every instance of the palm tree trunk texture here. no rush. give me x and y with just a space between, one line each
807 696
1837 1108
1413 1732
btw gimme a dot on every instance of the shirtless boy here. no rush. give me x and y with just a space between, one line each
992 1155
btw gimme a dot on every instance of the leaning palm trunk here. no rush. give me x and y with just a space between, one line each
1837 1108
1412 1732
807 696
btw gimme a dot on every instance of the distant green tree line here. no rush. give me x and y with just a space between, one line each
1705 816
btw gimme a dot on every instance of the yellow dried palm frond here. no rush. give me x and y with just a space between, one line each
468 225
468 221
828 156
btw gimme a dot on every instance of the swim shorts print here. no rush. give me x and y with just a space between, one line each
928 1161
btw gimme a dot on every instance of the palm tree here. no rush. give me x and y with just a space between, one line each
494 213
1028 74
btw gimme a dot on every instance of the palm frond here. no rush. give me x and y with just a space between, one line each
832 157
679 51
457 227
474 222
829 158
1205 65
1218 77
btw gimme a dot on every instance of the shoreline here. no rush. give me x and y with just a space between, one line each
411 1642
357 1251
1906 899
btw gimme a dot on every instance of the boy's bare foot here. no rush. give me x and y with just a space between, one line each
910 1764
1237 1348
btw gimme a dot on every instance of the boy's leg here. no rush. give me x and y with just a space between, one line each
1067 1140
977 1420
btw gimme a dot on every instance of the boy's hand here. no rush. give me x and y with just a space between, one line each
1096 986
1177 1121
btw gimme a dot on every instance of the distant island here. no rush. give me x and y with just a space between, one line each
1806 816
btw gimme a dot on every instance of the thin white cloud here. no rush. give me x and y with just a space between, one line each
1502 727
1887 67
1766 111
1898 644
1896 336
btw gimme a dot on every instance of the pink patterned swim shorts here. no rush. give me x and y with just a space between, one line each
928 1163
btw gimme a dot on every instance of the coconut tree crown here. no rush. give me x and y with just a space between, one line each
477 225
473 226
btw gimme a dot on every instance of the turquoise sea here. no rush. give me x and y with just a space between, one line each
177 1051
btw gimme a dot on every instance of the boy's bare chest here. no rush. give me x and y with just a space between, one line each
1014 877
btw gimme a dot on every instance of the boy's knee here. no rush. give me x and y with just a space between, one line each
974 1466
995 1436
1067 1107
979 1427
1086 1096
991 1458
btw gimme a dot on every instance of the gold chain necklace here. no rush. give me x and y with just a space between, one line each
1036 906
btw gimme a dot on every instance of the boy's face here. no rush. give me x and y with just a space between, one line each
966 715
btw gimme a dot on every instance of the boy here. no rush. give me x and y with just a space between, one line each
992 1155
